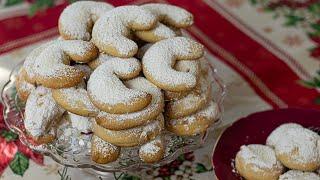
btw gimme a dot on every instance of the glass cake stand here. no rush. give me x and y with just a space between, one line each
74 151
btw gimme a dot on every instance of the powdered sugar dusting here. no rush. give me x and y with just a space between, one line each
112 29
163 31
40 111
29 62
151 147
159 32
77 19
170 14
299 175
260 156
77 97
23 85
81 123
210 112
160 58
273 138
103 147
289 138
144 85
105 86
53 60
102 58
142 131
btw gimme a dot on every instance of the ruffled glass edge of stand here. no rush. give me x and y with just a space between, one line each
79 156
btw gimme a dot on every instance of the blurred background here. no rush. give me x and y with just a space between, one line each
266 51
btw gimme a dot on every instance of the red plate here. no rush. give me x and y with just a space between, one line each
255 129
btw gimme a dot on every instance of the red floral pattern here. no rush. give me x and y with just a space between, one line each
292 3
10 146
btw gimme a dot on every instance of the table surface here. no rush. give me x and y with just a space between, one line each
261 53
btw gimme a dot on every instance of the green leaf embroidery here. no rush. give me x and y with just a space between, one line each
12 2
316 27
308 84
128 177
254 2
317 101
200 168
181 157
292 20
9 135
63 175
314 8
19 164
40 4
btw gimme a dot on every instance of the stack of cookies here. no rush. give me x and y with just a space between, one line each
123 73
291 152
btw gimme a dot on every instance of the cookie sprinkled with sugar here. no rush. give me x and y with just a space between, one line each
138 117
210 112
160 58
108 92
52 64
260 156
171 15
77 19
158 33
29 62
76 100
110 32
151 147
81 123
102 58
299 175
103 147
40 112
294 138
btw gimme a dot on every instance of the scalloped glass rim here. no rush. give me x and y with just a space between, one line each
13 117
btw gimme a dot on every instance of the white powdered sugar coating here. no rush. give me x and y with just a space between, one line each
77 97
23 85
160 32
191 66
260 156
28 64
113 28
293 138
103 147
161 57
143 131
170 14
163 31
150 127
81 123
105 86
210 112
193 98
299 175
102 58
140 84
53 60
151 147
273 138
77 19
40 111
